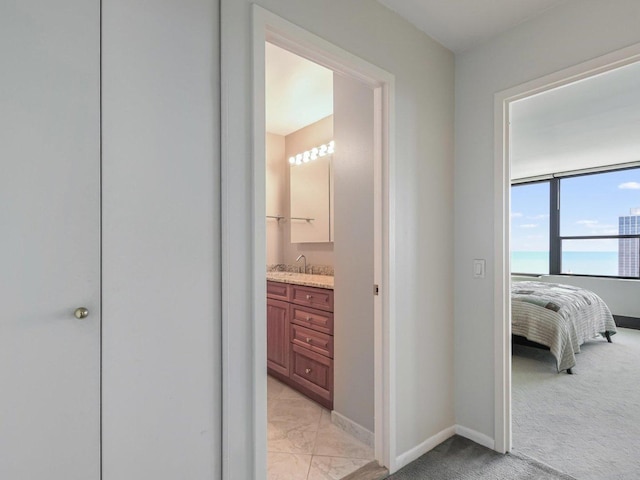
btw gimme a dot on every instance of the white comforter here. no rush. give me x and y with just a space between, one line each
561 317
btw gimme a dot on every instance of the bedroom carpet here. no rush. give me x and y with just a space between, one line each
460 459
587 424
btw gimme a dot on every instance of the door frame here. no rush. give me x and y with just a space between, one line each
278 31
502 216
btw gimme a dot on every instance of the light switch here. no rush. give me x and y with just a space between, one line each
478 268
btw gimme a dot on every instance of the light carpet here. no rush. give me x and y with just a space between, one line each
460 459
586 424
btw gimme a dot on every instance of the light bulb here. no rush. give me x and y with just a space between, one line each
298 159
292 160
331 147
323 150
314 153
306 156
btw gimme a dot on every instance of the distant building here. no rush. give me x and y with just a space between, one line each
628 258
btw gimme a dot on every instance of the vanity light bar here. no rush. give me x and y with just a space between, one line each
314 153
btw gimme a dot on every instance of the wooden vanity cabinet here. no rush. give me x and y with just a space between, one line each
301 357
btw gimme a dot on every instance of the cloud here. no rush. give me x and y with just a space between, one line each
598 228
516 214
629 186
539 217
529 225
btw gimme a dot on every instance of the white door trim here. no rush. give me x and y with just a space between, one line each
268 26
502 213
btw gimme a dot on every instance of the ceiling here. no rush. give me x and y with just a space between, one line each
587 124
461 24
298 91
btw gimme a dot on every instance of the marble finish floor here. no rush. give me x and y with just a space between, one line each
303 444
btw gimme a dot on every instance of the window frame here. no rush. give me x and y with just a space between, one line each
555 239
551 194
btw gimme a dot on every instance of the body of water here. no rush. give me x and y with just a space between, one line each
585 263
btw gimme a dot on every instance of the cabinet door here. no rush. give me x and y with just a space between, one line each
50 240
278 336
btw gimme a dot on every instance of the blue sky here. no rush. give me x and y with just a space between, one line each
590 205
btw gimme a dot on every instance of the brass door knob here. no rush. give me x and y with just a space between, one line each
81 312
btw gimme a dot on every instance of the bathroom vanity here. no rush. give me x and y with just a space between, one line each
300 333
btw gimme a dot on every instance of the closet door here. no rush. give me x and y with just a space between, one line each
50 239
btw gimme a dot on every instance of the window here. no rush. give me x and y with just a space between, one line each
593 224
530 228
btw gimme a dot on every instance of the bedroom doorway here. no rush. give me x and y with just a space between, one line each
508 219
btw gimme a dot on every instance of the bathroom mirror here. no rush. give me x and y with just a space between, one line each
311 202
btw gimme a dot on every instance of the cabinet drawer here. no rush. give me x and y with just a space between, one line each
318 342
311 318
321 298
312 371
278 291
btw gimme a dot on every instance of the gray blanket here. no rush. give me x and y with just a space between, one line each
561 317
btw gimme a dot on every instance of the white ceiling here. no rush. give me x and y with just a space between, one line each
592 123
586 124
298 91
461 24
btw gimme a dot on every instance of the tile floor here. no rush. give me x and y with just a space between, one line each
303 444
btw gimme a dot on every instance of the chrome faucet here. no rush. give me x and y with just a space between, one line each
305 262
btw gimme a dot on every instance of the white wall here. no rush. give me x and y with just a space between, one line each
573 32
277 198
161 240
422 210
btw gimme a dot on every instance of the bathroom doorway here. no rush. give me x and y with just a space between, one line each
350 71
319 212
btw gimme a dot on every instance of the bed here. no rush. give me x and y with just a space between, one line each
558 317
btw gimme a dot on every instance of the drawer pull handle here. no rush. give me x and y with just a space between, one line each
307 370
309 340
308 319
309 297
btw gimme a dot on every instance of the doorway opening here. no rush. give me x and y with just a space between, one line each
281 34
503 169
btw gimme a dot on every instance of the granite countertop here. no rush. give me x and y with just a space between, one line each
310 280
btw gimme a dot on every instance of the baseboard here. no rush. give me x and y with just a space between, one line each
475 436
419 450
627 322
430 443
352 428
